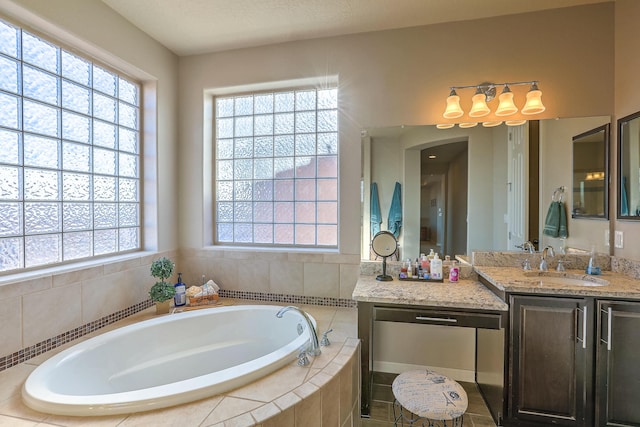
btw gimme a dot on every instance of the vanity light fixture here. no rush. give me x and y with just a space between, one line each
492 124
486 92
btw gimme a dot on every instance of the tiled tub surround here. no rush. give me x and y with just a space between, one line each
325 393
310 273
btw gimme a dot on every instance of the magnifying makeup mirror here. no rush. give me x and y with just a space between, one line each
384 244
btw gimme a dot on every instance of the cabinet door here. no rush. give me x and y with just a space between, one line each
551 362
618 360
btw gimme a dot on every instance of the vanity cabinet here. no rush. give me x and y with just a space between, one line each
618 364
550 361
573 362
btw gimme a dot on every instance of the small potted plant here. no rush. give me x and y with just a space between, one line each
162 291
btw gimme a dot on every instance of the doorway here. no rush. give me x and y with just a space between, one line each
443 198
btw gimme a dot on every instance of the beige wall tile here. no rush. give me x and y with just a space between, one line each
11 321
331 403
224 272
348 277
230 407
187 414
308 411
115 267
24 287
283 419
267 388
265 412
253 275
51 312
286 278
346 390
12 380
76 276
108 294
321 280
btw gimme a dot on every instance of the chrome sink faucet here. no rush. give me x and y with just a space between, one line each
543 261
527 246
314 347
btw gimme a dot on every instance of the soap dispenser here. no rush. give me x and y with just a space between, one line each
436 267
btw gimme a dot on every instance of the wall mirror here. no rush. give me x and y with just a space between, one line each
474 195
591 174
629 167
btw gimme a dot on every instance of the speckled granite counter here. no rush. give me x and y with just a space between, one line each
511 279
465 294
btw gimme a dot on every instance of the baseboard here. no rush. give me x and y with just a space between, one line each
397 368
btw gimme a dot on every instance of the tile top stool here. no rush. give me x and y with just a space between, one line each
427 398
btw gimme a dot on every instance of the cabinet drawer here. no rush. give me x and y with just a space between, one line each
439 317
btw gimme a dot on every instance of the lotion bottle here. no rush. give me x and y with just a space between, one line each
436 267
180 298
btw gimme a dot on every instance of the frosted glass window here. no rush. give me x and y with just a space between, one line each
69 154
276 159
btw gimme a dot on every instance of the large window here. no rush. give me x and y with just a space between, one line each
69 155
277 168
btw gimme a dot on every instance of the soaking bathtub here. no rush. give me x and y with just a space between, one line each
166 361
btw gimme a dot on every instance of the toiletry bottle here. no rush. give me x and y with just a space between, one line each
454 272
180 298
424 263
431 255
409 268
417 268
436 268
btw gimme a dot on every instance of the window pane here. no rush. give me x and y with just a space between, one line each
76 157
104 215
128 165
42 218
42 249
40 151
76 186
75 127
76 98
128 215
128 190
9 41
127 115
8 74
327 98
10 183
9 111
12 250
306 100
104 81
104 161
128 238
76 216
39 52
41 184
40 118
76 68
104 188
10 220
243 106
128 140
224 107
9 147
104 107
127 91
284 102
40 85
104 134
77 245
105 241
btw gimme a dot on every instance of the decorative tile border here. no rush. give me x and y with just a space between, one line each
293 299
51 343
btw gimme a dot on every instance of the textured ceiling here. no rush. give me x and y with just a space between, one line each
197 26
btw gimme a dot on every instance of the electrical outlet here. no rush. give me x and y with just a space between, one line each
619 242
606 237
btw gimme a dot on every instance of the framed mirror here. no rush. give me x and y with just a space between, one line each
629 167
591 174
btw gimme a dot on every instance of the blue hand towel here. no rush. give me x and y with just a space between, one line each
624 203
563 231
375 217
394 222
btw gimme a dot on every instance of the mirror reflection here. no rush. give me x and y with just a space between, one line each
629 167
590 173
475 194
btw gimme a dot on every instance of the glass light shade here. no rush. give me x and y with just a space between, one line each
492 124
515 122
453 110
468 125
534 102
444 125
479 107
506 106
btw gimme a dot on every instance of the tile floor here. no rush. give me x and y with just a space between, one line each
477 414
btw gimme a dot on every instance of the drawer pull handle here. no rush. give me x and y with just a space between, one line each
437 319
583 340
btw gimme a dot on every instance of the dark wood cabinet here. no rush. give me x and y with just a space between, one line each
618 364
550 375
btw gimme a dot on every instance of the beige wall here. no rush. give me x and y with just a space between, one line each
627 101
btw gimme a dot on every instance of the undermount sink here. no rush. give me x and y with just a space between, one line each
550 278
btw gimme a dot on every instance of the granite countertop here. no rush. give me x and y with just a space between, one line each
512 279
465 294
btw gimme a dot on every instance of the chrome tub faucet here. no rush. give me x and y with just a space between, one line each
314 346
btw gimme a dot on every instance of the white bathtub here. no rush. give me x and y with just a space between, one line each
166 361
